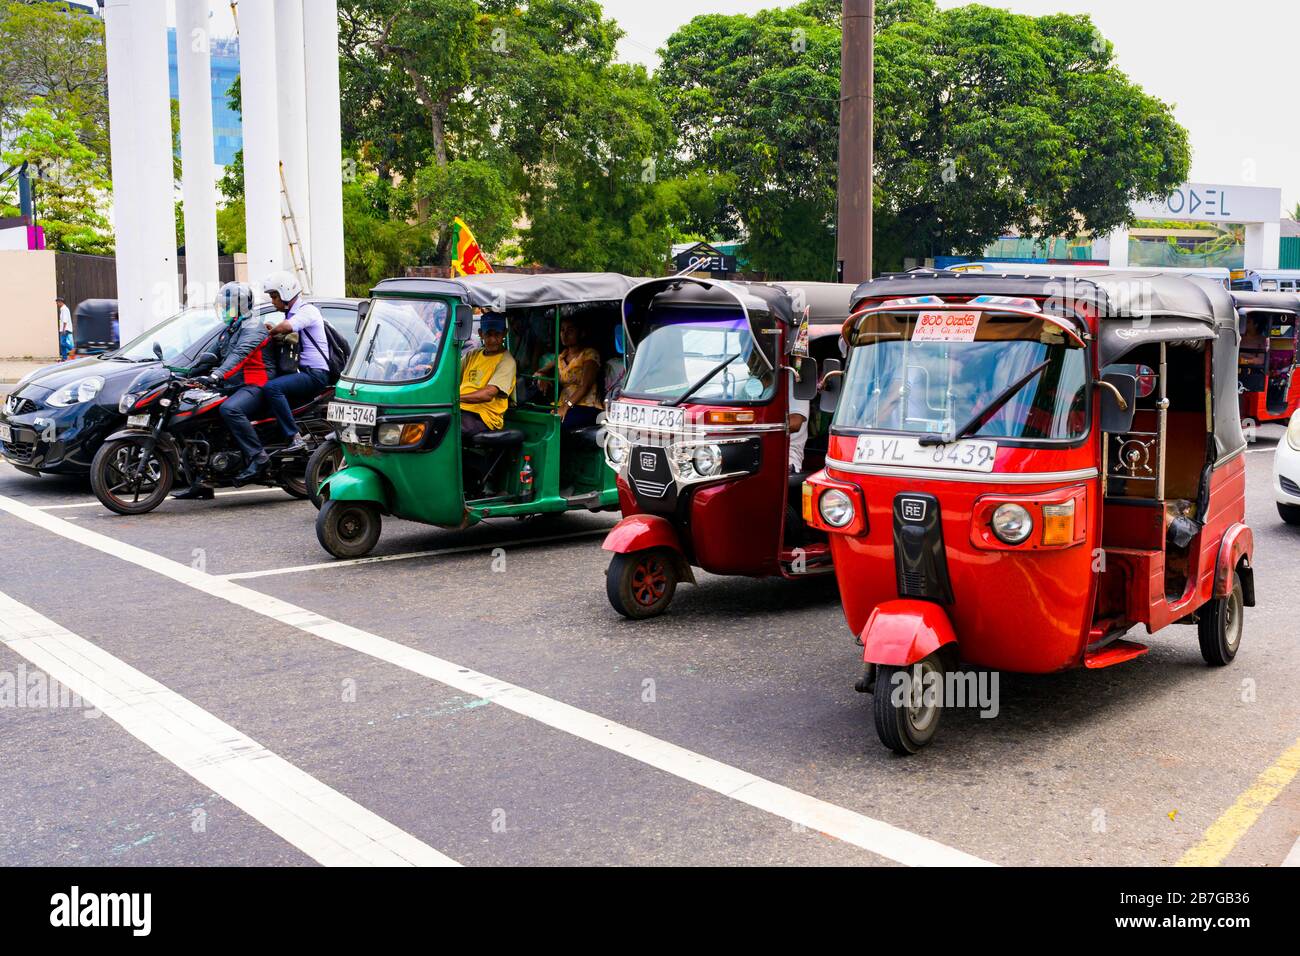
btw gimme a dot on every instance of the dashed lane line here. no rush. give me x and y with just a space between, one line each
321 822
844 824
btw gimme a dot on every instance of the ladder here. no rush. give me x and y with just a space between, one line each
291 236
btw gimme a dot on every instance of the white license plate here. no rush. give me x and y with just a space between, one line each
137 421
645 416
6 433
348 414
969 454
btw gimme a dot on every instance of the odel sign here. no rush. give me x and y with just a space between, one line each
1208 202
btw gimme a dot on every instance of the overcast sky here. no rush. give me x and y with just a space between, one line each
1227 66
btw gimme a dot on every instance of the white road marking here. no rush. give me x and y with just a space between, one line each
320 821
850 826
406 555
1293 858
220 494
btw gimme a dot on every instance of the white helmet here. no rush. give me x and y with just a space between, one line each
283 284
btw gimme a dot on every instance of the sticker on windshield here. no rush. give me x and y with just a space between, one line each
946 326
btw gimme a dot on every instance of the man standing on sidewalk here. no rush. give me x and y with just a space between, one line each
65 328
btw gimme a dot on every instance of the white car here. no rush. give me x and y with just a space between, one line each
1286 473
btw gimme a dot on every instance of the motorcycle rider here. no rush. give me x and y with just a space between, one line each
247 362
313 376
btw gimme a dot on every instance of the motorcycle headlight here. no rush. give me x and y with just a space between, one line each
1012 524
707 460
836 508
77 393
127 402
1293 432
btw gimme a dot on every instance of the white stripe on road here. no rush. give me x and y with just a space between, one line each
854 828
318 820
1293 858
220 494
406 555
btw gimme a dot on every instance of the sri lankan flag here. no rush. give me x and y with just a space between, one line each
466 257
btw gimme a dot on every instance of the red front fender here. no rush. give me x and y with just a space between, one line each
1238 543
642 532
903 632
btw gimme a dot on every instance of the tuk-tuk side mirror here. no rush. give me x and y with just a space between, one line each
464 321
832 384
363 309
805 389
1118 391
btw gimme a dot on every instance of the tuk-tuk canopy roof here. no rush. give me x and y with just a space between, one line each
97 308
502 291
1134 309
826 302
1271 301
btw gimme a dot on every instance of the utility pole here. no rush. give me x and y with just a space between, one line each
857 107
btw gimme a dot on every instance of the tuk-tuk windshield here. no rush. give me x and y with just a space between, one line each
897 383
177 336
680 352
400 341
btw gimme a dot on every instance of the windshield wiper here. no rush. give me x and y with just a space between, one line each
700 384
983 415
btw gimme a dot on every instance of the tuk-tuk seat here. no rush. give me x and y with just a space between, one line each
589 436
505 438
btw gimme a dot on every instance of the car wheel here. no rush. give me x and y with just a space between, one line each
1289 513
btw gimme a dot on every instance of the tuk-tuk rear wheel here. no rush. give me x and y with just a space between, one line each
348 529
906 713
641 584
1219 626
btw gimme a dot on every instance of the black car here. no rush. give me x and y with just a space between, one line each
55 419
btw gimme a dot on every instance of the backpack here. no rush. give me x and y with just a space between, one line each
337 354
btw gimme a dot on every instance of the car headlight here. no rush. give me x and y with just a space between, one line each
1293 432
836 508
77 393
707 460
1012 524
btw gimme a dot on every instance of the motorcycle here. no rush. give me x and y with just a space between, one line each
175 437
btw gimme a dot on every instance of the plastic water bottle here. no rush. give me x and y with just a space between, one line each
526 479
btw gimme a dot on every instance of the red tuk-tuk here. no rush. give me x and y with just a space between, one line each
1270 390
700 433
1023 469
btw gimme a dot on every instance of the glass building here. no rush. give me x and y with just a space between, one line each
227 136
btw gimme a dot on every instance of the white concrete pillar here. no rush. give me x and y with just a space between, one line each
324 146
194 82
1263 245
141 142
292 106
261 125
1119 249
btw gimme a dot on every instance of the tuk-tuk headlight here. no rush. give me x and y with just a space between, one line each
399 434
1012 524
615 448
836 508
77 393
707 460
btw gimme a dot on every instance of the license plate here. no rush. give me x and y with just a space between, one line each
137 421
969 454
645 416
347 414
6 433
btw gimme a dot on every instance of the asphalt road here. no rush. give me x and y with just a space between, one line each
727 732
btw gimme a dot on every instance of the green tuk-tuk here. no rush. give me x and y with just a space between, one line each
397 408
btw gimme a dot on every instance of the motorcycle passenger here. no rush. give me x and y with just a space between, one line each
248 363
296 389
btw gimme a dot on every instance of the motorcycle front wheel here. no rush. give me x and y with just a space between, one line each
129 479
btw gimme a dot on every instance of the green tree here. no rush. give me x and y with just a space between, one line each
985 121
69 184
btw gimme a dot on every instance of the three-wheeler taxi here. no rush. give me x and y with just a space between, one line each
700 433
397 408
1270 389
1023 469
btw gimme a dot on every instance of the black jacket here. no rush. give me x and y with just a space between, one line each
248 354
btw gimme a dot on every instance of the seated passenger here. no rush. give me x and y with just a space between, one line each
579 366
487 379
800 408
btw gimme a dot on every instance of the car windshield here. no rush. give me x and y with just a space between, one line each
895 383
677 353
177 336
400 341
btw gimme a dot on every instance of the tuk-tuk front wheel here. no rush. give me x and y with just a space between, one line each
1219 626
908 702
641 584
348 529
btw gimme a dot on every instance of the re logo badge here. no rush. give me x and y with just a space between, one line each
913 509
647 461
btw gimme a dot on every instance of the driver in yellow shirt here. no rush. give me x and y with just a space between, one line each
487 379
